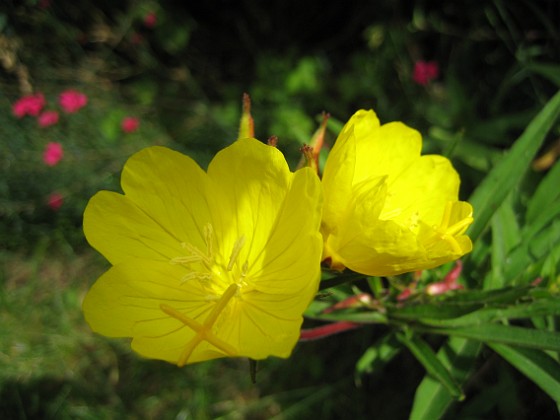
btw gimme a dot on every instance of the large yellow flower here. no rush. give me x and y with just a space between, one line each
206 265
387 209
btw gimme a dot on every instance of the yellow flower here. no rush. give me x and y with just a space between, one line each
387 209
206 265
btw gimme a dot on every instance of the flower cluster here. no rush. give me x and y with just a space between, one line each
223 262
70 101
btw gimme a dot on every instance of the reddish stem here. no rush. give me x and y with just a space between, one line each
327 330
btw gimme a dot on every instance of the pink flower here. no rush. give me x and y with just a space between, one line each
72 100
425 72
52 154
130 124
28 105
449 282
47 118
150 20
55 201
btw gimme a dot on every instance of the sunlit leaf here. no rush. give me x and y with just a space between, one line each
510 170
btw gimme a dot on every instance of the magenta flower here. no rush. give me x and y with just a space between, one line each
130 124
150 20
53 153
47 118
55 201
28 105
425 72
71 100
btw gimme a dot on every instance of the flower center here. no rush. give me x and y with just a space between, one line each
203 267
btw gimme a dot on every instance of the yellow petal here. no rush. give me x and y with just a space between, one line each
337 178
172 189
126 300
283 265
119 229
422 190
386 150
251 179
388 210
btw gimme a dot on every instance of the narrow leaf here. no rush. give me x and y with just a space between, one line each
432 398
547 192
379 354
549 70
505 334
538 366
505 236
487 315
510 170
426 356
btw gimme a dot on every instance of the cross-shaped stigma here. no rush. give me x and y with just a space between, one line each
204 331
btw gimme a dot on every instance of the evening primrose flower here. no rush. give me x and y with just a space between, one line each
206 264
387 209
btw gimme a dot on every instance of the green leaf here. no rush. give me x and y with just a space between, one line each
528 258
505 236
488 197
537 365
432 398
547 193
426 356
505 334
436 310
548 70
487 315
378 355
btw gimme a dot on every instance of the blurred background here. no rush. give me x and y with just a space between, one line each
84 84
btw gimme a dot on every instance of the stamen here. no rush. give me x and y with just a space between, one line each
235 252
204 331
186 260
196 275
207 261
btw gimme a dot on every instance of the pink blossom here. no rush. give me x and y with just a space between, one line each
28 105
47 118
53 153
55 201
130 124
425 72
450 282
72 100
150 20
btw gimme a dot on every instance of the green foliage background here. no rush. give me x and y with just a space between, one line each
492 110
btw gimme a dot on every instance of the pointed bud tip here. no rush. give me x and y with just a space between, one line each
272 141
